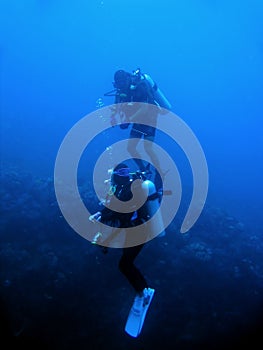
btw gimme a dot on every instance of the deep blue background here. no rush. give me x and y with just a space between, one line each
59 57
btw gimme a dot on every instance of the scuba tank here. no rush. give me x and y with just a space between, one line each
149 209
158 96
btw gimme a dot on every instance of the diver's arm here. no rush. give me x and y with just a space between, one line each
104 216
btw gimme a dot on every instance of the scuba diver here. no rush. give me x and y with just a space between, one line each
121 181
138 87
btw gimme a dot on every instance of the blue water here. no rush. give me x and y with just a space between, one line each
57 59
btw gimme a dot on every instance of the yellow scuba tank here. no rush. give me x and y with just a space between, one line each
155 227
159 97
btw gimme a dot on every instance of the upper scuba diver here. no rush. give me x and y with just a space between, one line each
138 87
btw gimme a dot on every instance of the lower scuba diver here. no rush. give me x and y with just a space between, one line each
121 180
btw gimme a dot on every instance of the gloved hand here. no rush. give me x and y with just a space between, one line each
95 217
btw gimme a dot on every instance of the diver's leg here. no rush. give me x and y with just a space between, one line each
131 272
159 172
152 154
132 149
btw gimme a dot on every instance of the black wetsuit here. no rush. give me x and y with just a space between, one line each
126 263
